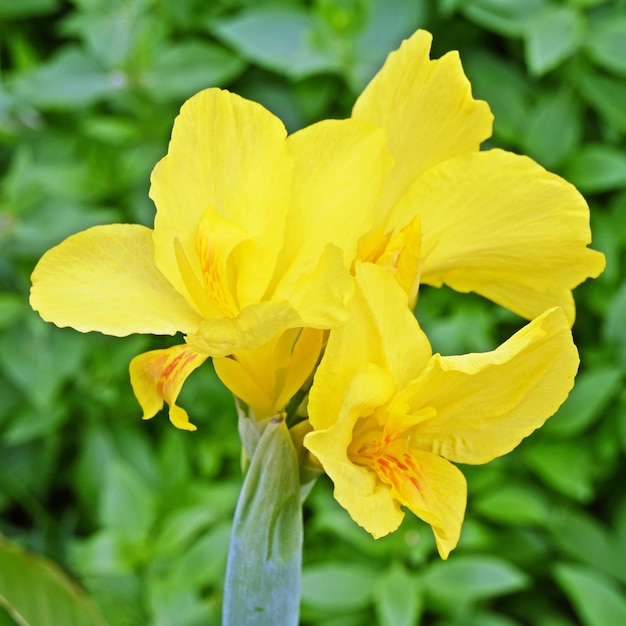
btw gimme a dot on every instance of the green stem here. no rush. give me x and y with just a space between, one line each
265 556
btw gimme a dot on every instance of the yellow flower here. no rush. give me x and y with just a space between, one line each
492 222
229 262
389 416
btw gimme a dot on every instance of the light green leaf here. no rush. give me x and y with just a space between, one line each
505 17
185 68
514 504
598 600
127 507
333 586
586 403
71 79
553 128
471 578
605 94
35 592
606 43
398 597
551 37
598 168
567 467
281 39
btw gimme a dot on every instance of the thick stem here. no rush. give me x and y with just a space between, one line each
265 556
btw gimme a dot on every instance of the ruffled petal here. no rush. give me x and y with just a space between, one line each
500 225
487 403
357 487
105 279
426 108
228 154
380 330
158 376
431 488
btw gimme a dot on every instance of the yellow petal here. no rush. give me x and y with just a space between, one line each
357 487
487 403
401 258
500 225
427 110
267 377
105 279
158 376
320 296
380 330
253 327
340 166
431 488
229 154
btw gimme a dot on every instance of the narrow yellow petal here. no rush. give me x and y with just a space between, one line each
427 110
431 488
229 154
105 279
487 403
158 376
380 330
500 225
267 377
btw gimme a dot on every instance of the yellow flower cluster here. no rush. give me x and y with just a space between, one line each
270 252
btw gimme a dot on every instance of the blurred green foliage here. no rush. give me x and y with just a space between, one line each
139 513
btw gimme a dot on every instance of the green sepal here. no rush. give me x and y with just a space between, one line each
265 556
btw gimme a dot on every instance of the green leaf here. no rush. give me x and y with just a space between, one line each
337 587
514 504
265 555
551 37
586 403
185 68
598 168
585 539
605 94
10 9
553 128
35 592
71 79
505 88
597 599
606 44
505 17
565 466
126 506
280 39
465 579
398 597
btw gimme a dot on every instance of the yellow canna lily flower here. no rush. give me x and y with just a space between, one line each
388 416
492 222
234 259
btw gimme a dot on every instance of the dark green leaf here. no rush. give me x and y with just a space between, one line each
605 94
